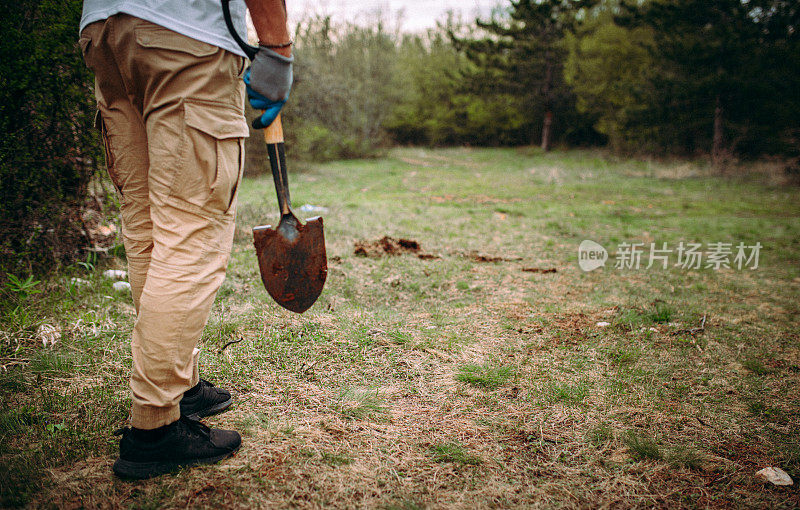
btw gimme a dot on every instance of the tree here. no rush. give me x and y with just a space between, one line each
522 54
712 77
611 71
343 90
428 75
435 109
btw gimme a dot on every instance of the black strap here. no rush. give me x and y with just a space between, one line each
248 50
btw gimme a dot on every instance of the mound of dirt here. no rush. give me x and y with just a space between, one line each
479 257
390 246
540 270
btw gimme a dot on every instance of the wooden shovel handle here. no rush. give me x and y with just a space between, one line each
274 132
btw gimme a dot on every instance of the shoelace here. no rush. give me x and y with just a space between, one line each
190 426
201 391
194 427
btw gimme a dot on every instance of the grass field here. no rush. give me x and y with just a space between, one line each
474 377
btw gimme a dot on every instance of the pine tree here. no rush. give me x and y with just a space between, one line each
523 55
610 70
721 64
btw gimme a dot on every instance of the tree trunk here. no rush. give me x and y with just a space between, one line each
548 121
717 155
547 85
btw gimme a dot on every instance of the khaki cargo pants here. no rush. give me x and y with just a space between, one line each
171 110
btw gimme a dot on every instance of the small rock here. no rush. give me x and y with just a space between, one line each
78 281
312 209
393 280
48 334
603 324
121 286
104 230
115 274
776 476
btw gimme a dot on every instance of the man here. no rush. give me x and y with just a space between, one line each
171 109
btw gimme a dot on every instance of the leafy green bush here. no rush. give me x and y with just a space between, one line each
344 90
48 147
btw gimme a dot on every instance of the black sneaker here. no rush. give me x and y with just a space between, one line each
205 401
186 442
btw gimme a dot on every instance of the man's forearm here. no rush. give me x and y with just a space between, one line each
269 18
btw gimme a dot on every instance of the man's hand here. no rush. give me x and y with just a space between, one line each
268 81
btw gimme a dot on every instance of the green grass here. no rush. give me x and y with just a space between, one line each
567 393
662 314
336 459
756 366
643 447
453 452
685 457
484 376
358 404
427 383
600 435
653 315
624 355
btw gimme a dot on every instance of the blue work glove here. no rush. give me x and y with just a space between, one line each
268 81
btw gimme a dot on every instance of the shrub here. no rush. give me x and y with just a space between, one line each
48 147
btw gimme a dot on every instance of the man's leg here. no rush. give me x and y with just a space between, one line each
193 103
180 239
125 142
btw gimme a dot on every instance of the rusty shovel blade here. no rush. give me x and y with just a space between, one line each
291 256
292 261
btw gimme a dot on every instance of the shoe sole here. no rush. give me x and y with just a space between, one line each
143 470
208 411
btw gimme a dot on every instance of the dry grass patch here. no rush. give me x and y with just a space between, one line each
454 382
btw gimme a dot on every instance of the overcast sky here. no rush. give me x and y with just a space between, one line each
415 15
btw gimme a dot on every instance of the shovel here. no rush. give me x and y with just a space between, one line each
291 256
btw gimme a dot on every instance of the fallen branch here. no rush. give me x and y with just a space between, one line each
703 423
692 331
231 343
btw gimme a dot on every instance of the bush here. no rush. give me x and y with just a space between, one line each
344 89
48 147
358 89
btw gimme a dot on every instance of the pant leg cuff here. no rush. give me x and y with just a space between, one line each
149 417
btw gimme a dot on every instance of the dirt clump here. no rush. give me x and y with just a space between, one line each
540 270
479 257
391 246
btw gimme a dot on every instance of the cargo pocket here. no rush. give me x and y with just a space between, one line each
150 35
100 125
212 158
